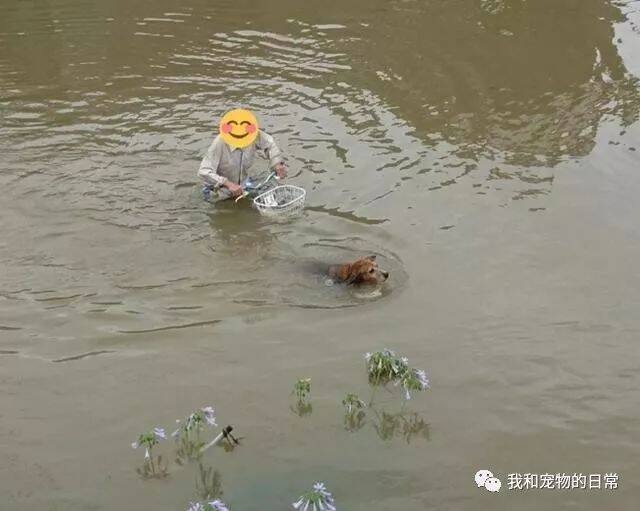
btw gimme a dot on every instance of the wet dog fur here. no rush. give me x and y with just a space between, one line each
362 271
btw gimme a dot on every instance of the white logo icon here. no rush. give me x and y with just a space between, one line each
484 478
493 484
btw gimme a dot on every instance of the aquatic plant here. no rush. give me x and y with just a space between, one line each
402 424
151 467
354 412
414 426
384 367
317 499
196 420
386 425
352 402
414 379
208 483
302 391
214 505
188 434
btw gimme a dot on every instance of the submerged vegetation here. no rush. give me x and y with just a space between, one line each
189 434
302 391
383 368
354 412
153 465
402 424
352 402
208 483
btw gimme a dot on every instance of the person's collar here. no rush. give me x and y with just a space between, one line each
231 148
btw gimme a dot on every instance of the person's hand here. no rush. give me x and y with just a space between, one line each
281 170
234 189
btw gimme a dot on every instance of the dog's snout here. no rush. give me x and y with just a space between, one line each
385 274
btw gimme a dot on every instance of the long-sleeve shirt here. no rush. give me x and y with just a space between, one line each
223 162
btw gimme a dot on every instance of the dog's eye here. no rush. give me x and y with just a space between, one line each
372 270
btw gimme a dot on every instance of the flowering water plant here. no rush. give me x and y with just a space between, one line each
384 367
317 499
196 421
151 467
414 379
214 505
188 434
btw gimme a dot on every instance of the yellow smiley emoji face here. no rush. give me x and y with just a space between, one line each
239 128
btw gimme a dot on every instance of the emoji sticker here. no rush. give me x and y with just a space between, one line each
239 128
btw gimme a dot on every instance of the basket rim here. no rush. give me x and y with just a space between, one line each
258 200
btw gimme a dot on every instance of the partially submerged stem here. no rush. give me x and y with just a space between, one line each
223 434
373 394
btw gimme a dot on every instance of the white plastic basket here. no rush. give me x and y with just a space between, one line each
281 200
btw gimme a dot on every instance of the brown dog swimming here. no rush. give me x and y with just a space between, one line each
362 271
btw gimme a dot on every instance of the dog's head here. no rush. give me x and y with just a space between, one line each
365 271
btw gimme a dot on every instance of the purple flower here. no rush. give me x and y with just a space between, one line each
422 378
217 505
159 433
149 440
209 415
176 433
195 422
214 505
318 499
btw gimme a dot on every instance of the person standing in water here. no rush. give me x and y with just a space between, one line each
226 167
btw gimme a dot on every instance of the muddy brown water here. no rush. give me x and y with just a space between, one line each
485 150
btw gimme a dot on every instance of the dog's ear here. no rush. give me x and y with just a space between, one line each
371 257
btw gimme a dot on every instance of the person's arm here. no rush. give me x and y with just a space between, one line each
272 152
209 168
